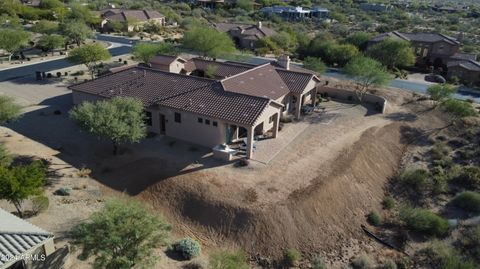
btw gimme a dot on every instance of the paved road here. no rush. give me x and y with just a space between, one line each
29 70
463 93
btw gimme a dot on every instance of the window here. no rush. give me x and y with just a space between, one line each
178 117
207 122
215 123
148 118
200 120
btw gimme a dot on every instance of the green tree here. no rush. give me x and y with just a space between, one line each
50 42
359 40
45 27
51 4
89 55
209 42
76 31
120 119
122 235
393 53
441 92
228 260
338 16
342 54
366 72
13 40
9 110
315 64
82 13
246 5
18 183
146 51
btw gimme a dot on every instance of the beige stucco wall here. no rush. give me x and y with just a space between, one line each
265 117
344 95
189 129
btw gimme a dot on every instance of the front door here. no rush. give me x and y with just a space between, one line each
162 124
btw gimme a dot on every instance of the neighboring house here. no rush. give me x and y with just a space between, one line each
131 19
291 13
466 70
375 7
173 64
439 51
245 36
430 49
239 102
22 245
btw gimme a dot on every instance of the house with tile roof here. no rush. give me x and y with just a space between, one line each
238 102
466 70
132 19
437 50
245 36
431 49
22 244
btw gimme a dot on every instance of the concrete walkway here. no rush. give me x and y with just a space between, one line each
268 149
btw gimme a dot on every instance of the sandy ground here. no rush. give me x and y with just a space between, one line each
307 185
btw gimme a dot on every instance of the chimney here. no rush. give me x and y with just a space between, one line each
284 61
259 25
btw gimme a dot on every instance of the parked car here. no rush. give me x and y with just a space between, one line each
435 78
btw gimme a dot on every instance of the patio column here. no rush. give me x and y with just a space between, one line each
314 97
276 122
250 131
298 106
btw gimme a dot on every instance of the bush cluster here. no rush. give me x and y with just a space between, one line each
424 221
468 200
188 248
374 218
292 256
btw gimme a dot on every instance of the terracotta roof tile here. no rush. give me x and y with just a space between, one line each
188 93
262 81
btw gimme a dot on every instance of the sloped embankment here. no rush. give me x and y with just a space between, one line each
322 217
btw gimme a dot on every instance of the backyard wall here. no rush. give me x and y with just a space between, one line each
347 94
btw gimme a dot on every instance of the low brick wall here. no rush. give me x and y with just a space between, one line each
350 95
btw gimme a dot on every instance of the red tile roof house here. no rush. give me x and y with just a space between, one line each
240 102
245 36
138 17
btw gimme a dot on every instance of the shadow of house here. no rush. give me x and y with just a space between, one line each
140 166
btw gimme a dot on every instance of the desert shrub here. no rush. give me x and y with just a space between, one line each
414 179
188 248
468 177
388 202
444 161
403 263
84 172
374 218
228 260
424 221
439 180
445 257
389 264
292 256
39 204
468 200
470 242
363 262
318 263
439 150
